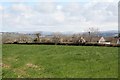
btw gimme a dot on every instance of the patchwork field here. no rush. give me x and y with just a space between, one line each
52 61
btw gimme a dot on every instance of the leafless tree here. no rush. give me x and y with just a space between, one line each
56 37
37 39
7 38
76 38
93 32
24 38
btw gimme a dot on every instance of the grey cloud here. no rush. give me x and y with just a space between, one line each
45 7
72 16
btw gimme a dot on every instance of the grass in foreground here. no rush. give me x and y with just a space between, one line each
50 61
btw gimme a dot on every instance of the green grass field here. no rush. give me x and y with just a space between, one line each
52 61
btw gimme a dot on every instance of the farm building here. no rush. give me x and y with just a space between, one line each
82 40
103 41
108 40
90 39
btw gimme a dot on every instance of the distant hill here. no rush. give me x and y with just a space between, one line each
109 33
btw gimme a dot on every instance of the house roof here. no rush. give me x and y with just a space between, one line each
96 39
111 39
92 39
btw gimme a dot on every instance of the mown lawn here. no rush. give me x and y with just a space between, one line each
52 61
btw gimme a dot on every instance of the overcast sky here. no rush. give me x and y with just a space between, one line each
58 15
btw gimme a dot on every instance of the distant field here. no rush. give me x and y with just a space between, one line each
52 61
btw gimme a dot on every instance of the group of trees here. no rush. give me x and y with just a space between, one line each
75 38
15 38
91 32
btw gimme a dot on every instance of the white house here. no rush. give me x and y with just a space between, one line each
118 41
103 41
83 40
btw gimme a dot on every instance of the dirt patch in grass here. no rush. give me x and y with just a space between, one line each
5 65
21 72
30 65
24 70
37 67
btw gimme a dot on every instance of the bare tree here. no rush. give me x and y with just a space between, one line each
76 38
37 40
7 38
93 32
56 37
24 38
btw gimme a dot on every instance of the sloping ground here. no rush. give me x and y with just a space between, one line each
50 61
